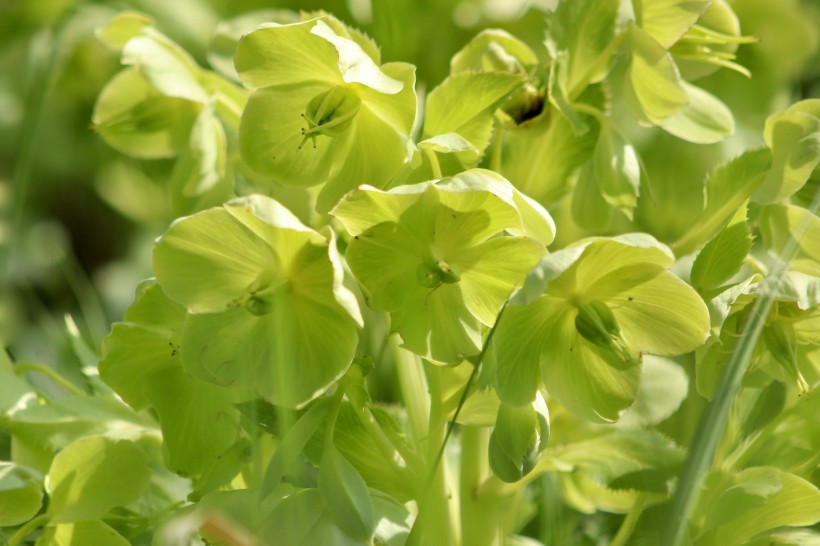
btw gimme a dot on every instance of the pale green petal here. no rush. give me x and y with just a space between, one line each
207 261
288 356
482 53
398 110
590 381
491 270
198 420
122 28
208 151
660 315
367 206
664 386
384 260
435 324
724 255
654 78
137 120
286 55
166 66
704 120
518 344
667 20
270 135
449 143
794 138
617 170
94 474
368 137
355 65
82 533
21 494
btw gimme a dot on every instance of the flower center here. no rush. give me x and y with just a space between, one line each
330 113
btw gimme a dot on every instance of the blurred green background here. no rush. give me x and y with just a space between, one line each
78 218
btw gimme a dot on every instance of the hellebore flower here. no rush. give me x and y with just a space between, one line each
443 256
267 313
323 110
584 318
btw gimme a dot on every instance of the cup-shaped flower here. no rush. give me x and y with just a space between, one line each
585 316
442 256
267 312
323 110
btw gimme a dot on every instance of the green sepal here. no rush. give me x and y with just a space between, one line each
704 120
668 20
493 50
724 255
519 435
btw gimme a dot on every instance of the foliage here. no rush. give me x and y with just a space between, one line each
563 290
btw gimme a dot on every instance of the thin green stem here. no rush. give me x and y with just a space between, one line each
629 522
20 370
31 526
481 519
713 424
434 164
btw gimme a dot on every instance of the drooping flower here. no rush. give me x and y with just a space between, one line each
323 108
585 317
442 256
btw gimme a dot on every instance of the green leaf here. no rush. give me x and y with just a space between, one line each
727 187
794 139
724 255
94 474
465 104
615 454
345 494
668 20
302 518
780 222
82 533
493 50
583 29
653 85
759 500
704 120
21 494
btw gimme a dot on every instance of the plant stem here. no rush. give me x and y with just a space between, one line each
434 165
28 528
631 519
708 435
23 367
479 510
414 391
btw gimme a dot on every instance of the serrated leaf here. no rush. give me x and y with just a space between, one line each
582 28
345 494
727 187
704 120
724 255
465 103
758 500
21 494
94 474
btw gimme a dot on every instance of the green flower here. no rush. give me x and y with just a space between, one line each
267 312
443 256
585 317
323 108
